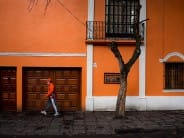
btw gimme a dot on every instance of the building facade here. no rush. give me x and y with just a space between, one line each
69 42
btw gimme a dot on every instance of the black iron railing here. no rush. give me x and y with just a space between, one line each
99 30
95 30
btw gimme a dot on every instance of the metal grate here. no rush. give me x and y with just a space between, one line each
174 75
121 17
95 30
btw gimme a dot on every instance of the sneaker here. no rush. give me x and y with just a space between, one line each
56 114
44 112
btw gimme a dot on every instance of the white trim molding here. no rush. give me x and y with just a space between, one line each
89 91
89 70
42 54
136 103
172 54
89 103
142 58
142 71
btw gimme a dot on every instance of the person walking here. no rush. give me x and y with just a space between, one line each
51 98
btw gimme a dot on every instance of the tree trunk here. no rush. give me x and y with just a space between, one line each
124 70
120 105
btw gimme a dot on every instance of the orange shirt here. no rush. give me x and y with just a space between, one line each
50 89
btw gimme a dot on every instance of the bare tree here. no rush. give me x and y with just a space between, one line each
125 67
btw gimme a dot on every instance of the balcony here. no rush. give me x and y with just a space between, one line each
99 33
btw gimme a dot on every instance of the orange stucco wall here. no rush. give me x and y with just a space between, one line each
99 14
164 35
59 30
107 63
56 31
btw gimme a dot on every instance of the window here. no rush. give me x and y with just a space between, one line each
120 17
174 75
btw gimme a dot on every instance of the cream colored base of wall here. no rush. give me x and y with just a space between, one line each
108 103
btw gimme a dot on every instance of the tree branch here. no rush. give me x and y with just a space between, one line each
117 54
137 50
136 53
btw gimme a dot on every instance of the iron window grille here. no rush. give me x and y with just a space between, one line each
120 18
174 75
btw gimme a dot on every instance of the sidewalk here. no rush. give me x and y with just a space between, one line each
143 124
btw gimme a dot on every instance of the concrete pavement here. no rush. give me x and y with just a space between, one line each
89 124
